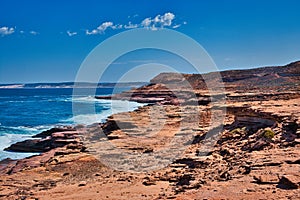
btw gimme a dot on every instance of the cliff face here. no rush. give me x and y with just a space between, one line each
252 84
287 76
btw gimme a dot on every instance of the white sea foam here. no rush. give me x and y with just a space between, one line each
113 106
7 140
24 130
88 99
10 135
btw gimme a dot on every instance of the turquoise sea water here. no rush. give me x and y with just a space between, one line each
25 112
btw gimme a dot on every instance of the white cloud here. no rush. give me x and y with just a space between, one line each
105 26
158 22
153 28
134 16
146 22
6 31
93 32
130 26
167 19
71 33
118 26
102 28
33 32
176 26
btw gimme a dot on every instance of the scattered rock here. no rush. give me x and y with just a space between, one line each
289 182
250 190
66 174
185 179
82 183
266 179
245 169
147 181
148 150
224 176
259 145
297 161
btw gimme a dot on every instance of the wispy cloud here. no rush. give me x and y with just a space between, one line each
130 25
176 26
6 30
71 33
22 32
33 33
151 23
103 27
133 16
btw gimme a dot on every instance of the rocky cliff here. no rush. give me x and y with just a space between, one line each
254 154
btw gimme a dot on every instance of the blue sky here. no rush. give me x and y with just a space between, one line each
46 41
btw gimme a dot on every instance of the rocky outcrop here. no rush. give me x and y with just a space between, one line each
150 94
262 84
258 79
49 132
51 139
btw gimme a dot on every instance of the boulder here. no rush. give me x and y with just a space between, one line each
289 182
259 145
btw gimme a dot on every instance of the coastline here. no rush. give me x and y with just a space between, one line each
245 162
103 117
255 155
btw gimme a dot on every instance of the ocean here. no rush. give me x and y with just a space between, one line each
25 112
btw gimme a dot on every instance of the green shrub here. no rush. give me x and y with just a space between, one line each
239 131
268 133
